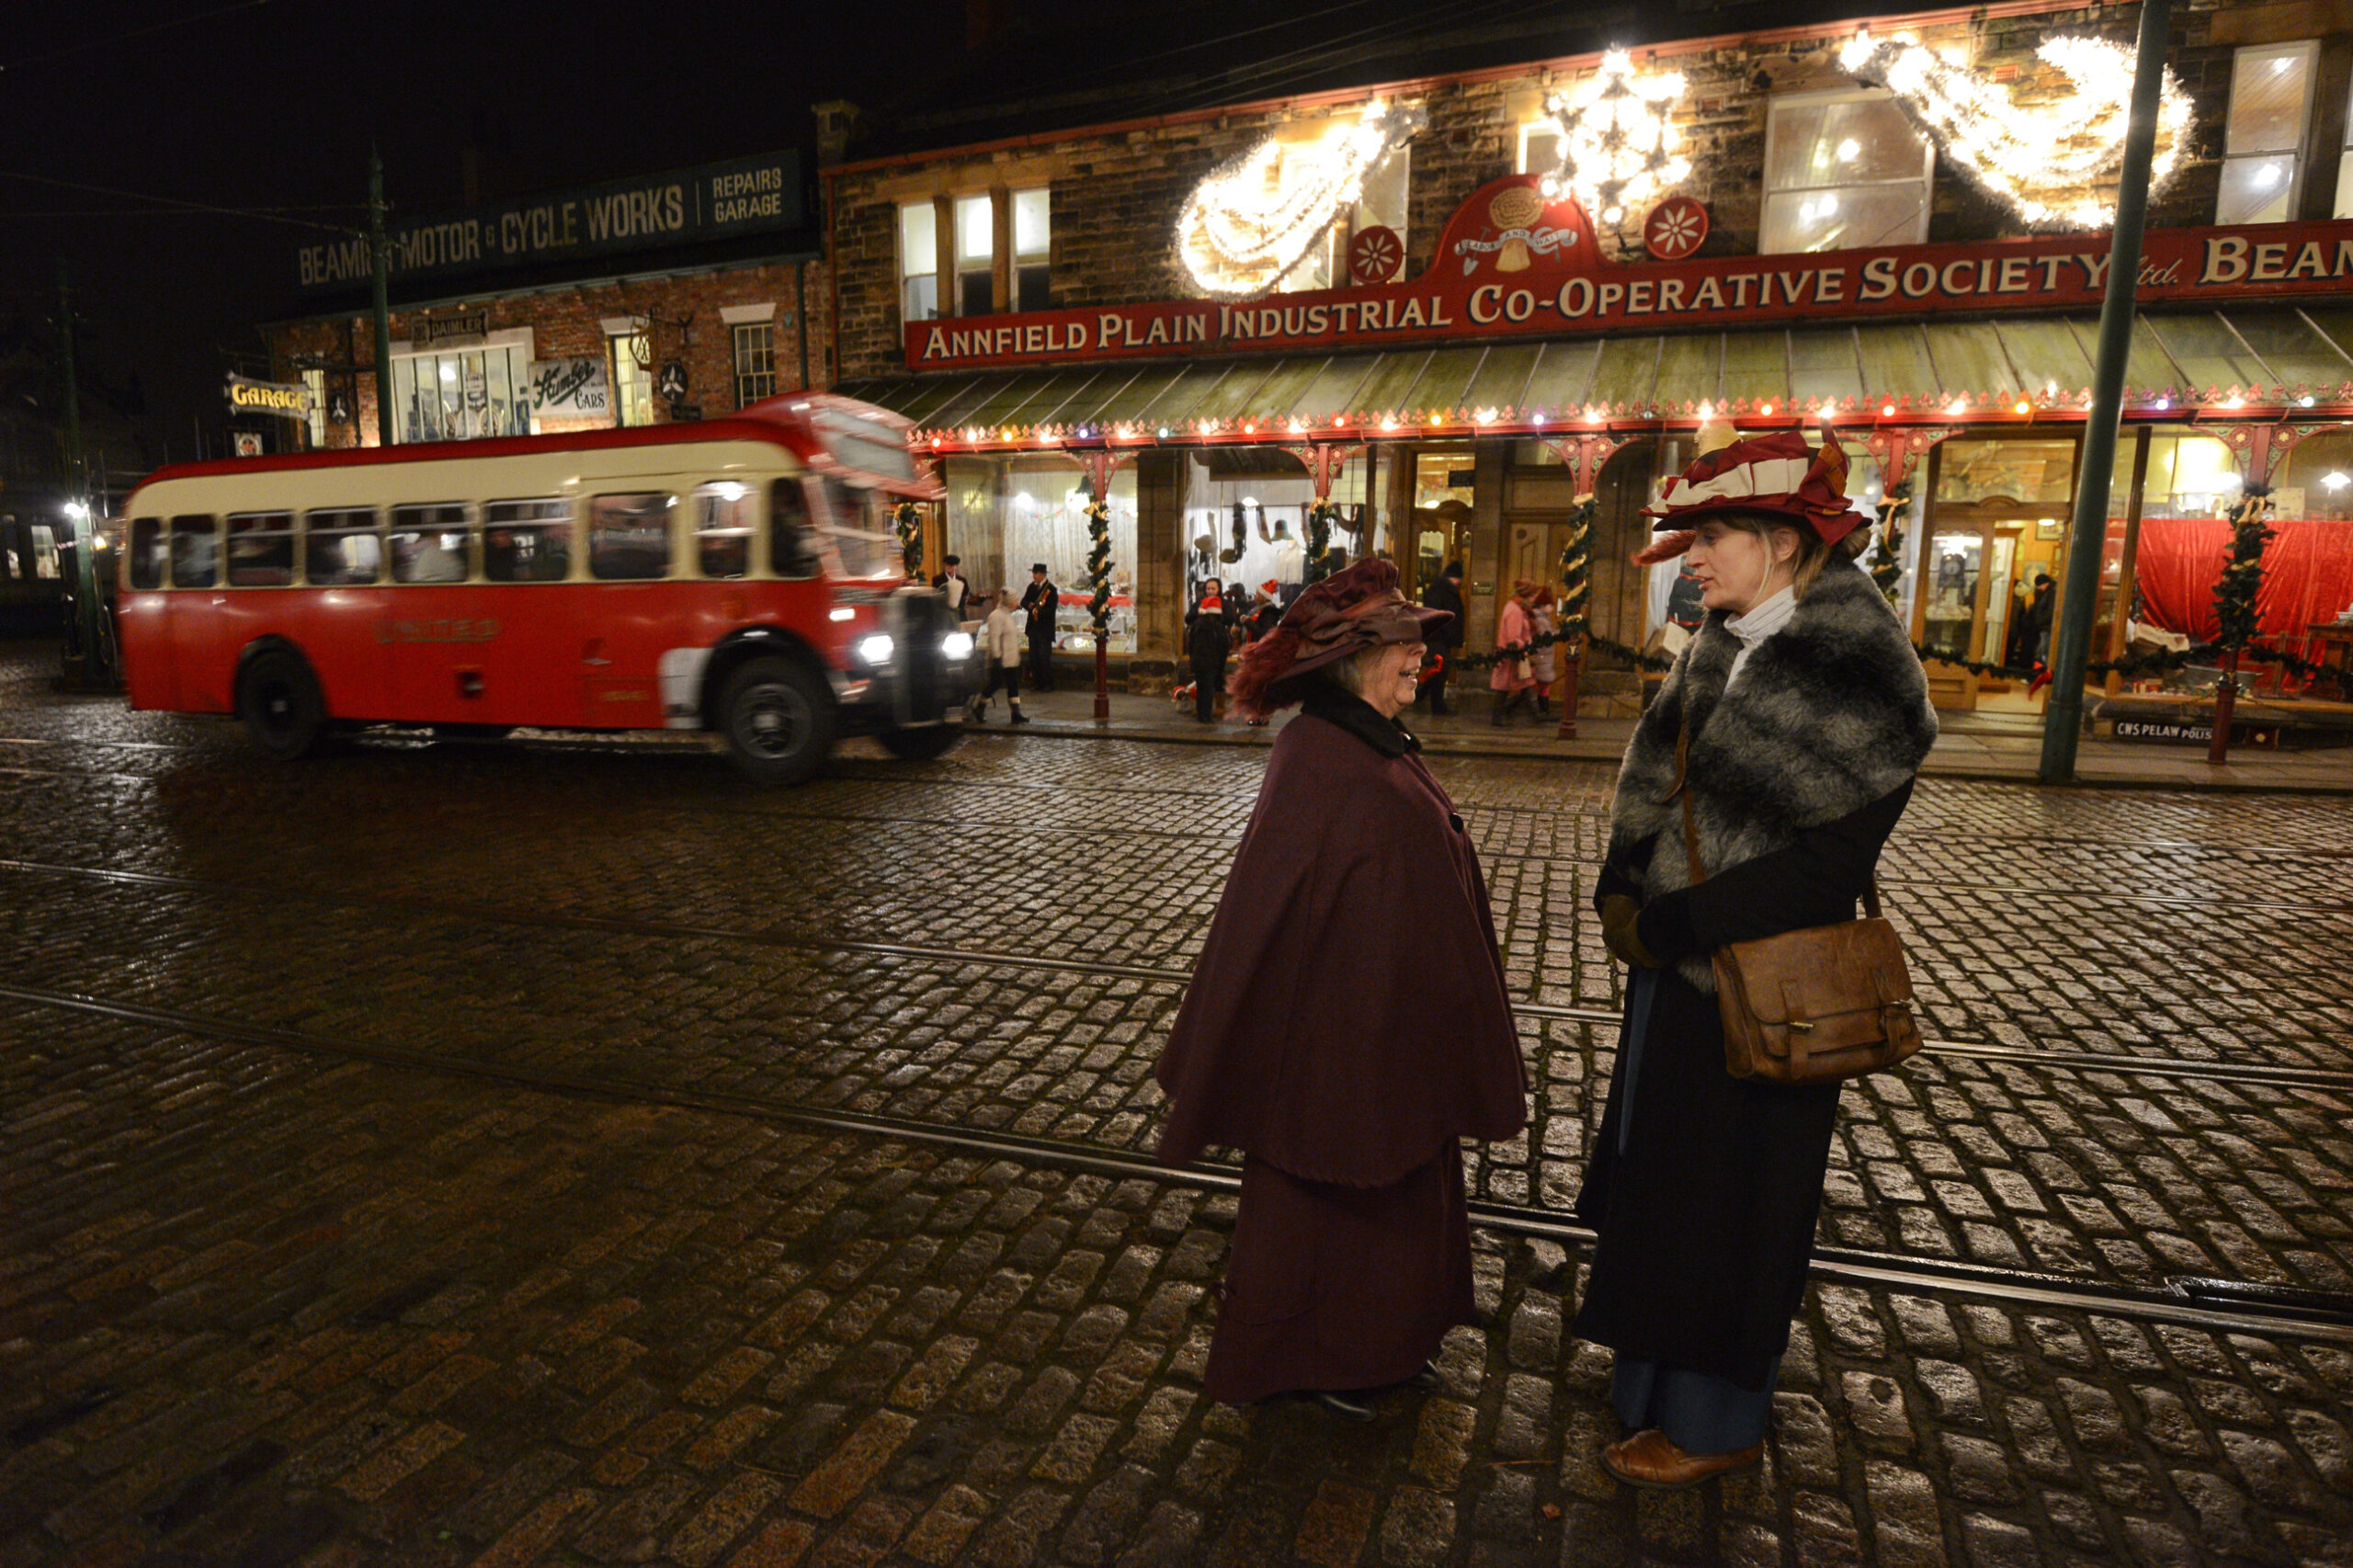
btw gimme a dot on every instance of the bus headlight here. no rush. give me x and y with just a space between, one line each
876 649
957 645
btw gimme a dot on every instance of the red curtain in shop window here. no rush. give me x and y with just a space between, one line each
2307 576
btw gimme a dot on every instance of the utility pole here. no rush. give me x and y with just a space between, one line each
77 505
2062 720
382 267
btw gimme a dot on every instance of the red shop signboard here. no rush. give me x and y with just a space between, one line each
1502 273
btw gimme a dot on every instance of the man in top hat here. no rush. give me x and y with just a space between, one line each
1041 601
954 591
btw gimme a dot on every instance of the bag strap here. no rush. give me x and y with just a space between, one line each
1691 827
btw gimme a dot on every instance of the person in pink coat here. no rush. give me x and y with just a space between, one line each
1514 679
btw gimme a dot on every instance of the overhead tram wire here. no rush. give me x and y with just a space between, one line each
117 40
164 203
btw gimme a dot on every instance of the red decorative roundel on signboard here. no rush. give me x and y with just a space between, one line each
1374 254
1675 228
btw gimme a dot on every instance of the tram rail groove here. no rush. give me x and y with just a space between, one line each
2224 1306
2088 1061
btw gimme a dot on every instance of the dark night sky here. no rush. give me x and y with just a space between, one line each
273 103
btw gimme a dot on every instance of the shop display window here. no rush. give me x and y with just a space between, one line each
2262 134
1843 169
1005 513
2028 472
461 394
918 261
2189 476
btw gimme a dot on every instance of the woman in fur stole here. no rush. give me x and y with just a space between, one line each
1347 1025
1808 716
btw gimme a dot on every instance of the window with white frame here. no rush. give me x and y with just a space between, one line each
315 383
462 394
1380 203
1843 169
918 262
1032 249
632 380
755 361
2345 166
1540 147
975 256
2263 137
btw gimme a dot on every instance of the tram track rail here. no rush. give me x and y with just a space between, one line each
2218 1305
2117 1063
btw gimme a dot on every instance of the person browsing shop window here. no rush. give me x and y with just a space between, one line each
1807 716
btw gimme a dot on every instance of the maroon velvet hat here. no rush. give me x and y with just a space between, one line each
1345 613
1774 476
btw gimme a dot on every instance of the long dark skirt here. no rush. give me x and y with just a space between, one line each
1340 1287
1706 1218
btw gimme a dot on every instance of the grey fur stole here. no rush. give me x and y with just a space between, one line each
1830 713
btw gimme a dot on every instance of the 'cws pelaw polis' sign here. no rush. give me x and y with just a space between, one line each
1511 263
716 201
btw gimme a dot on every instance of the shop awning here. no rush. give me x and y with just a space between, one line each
2023 368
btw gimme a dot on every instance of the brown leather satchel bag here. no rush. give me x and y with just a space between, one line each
1815 1005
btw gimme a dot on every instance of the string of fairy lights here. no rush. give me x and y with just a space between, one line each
2051 155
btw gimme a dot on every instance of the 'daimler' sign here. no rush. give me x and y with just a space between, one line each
716 201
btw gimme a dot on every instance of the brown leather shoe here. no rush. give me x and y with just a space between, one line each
1648 1459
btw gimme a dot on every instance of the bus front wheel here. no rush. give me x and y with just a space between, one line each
778 718
920 746
278 700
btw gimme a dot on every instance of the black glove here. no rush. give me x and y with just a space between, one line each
1618 916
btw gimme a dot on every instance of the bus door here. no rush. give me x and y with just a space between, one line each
143 617
522 628
631 613
346 611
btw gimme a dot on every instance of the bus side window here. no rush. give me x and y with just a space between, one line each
723 515
792 543
629 537
196 552
340 547
146 552
526 542
429 543
261 550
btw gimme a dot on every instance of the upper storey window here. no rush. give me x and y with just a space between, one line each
1380 203
2262 139
1843 169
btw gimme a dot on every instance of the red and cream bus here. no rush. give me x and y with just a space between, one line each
740 576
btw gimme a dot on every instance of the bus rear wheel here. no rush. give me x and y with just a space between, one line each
279 701
778 718
920 746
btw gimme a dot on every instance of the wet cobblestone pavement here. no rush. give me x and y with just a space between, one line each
407 1158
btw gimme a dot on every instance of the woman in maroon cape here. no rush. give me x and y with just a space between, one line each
1346 1024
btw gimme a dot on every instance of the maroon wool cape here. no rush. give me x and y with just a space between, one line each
1345 1026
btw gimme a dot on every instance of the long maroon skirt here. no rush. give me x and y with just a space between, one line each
1340 1287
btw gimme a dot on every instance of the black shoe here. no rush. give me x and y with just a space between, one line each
1018 717
1347 1406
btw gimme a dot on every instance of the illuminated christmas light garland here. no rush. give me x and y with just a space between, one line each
1617 139
2044 161
1248 224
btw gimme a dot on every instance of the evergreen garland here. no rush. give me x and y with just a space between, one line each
1098 563
908 521
1576 567
1320 518
1885 562
2241 576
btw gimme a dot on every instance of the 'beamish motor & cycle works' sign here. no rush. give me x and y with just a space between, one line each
1512 263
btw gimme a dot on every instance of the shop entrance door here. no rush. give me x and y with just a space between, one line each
1977 589
1532 547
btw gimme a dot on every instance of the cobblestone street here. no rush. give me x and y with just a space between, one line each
559 1151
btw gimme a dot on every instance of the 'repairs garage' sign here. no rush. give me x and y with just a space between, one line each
1511 263
716 201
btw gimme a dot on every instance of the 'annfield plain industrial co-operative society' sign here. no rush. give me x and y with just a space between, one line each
745 196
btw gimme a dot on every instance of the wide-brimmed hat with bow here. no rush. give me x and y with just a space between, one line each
1771 476
1347 613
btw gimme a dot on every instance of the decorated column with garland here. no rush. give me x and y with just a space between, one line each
908 520
2234 598
1576 590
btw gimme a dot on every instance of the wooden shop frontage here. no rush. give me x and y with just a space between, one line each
1469 412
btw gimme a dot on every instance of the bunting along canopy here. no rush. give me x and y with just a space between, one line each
2026 369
